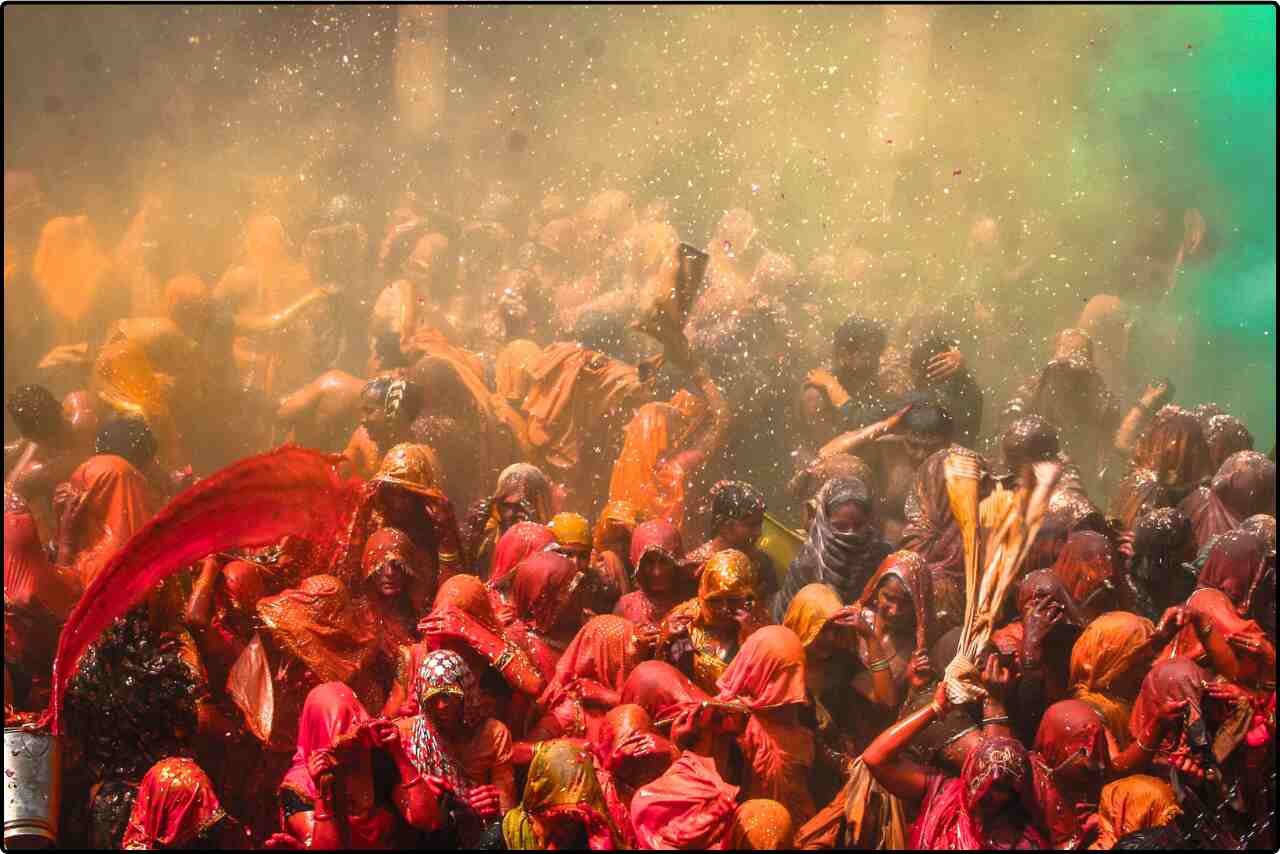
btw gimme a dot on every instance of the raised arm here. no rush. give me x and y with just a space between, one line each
847 443
883 757
1153 397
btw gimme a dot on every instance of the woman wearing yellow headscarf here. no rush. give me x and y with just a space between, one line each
1131 804
563 805
702 635
1108 663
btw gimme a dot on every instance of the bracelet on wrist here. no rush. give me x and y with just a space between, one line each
879 665
1147 749
321 816
505 657
998 719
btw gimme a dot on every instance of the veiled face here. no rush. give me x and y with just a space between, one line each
921 446
847 518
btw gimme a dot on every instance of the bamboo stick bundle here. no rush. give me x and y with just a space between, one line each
1011 519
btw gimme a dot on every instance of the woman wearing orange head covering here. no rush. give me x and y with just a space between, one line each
611 544
1131 804
1108 662
629 754
768 676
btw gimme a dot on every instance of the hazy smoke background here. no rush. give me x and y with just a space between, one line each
841 128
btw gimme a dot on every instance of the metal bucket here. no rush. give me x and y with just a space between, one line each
32 783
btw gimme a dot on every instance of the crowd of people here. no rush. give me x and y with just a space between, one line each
642 546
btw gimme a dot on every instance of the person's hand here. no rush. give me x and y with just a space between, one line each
1187 765
1038 622
852 616
284 842
1254 644
941 700
1156 394
483 801
945 365
1227 692
646 640
821 378
1125 546
1169 710
920 670
443 623
65 355
1173 619
997 679
894 421
383 734
322 765
436 785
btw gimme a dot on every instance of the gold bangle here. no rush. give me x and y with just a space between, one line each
504 658
448 557
877 666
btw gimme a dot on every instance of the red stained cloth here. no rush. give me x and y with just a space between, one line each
175 803
666 694
1085 564
254 502
689 808
1235 565
117 503
29 579
1067 727
1244 485
542 584
519 542
590 675
950 819
767 674
1169 679
330 712
627 748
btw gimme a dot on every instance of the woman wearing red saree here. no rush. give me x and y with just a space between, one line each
389 563
656 551
518 542
689 808
177 809
1068 760
545 592
988 807
588 680
327 798
462 620
629 754
768 676
1215 635
1244 486
1237 565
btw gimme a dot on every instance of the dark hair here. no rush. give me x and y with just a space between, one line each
1030 439
923 352
128 437
35 411
733 500
928 417
861 334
